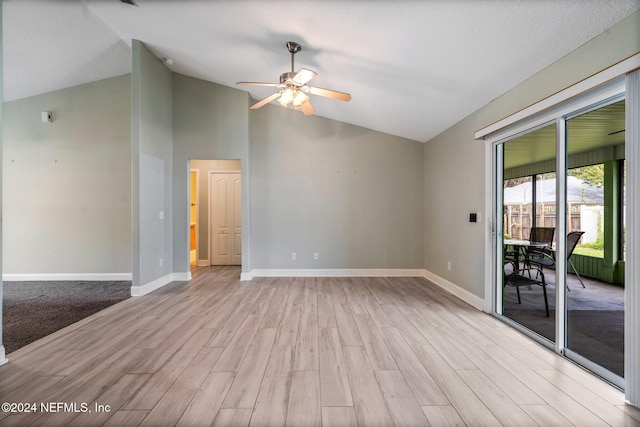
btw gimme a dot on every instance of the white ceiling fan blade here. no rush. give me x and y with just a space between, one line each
265 101
258 84
303 76
328 93
307 108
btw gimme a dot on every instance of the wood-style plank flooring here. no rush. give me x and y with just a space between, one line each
300 352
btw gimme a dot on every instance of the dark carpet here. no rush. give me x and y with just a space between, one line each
33 310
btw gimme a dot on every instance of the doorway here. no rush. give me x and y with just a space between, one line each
215 189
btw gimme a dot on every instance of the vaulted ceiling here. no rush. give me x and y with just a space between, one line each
413 68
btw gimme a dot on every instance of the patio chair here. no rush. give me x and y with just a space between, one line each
572 241
518 279
536 234
542 235
542 259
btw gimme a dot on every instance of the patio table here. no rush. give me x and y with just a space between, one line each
522 245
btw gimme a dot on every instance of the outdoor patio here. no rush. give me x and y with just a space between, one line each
595 320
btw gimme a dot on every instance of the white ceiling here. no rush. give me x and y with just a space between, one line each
414 68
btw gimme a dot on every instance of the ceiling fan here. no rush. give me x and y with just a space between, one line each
294 89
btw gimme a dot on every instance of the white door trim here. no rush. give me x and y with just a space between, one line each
197 171
632 270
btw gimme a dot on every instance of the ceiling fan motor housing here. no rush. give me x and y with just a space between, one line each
286 77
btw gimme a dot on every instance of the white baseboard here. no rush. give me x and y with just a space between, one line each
337 272
8 277
137 291
182 277
454 289
450 287
203 263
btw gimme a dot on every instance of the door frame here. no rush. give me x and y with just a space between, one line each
197 171
210 235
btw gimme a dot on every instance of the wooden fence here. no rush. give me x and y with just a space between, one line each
518 219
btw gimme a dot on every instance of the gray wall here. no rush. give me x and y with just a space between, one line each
455 164
151 153
67 203
316 185
351 194
209 122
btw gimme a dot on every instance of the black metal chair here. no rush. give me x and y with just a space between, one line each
543 234
517 279
543 259
536 234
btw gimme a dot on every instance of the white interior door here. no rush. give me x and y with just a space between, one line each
226 218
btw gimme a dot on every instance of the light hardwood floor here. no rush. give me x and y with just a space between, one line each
301 352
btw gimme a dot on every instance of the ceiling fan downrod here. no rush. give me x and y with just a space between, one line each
293 48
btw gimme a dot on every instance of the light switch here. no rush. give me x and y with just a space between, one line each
161 215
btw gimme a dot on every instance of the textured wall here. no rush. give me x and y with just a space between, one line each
351 194
67 201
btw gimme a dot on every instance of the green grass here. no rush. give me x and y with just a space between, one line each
587 251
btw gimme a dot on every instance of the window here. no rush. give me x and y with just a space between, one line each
585 208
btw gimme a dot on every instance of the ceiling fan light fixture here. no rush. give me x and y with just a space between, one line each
294 91
299 98
286 97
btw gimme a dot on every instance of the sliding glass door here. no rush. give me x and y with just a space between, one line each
528 204
559 191
594 301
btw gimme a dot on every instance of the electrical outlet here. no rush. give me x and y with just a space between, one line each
315 255
449 265
293 256
161 215
160 262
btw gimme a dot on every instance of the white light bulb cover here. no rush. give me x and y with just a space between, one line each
299 99
286 97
